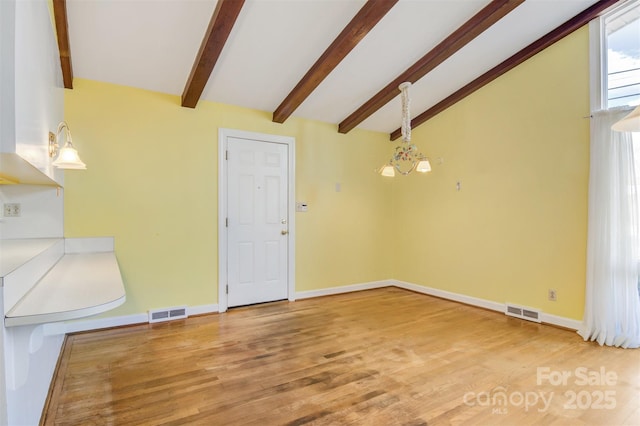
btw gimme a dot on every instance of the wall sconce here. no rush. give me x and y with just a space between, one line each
67 155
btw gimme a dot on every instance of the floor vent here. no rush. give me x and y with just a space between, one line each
168 314
521 312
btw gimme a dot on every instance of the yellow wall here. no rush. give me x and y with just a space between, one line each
520 148
152 183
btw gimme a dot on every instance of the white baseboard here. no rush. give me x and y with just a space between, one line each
561 321
96 324
343 289
76 326
202 309
457 297
483 303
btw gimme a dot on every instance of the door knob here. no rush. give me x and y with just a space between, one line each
284 232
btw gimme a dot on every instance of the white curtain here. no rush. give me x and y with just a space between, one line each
612 306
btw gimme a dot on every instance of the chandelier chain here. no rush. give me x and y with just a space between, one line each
406 112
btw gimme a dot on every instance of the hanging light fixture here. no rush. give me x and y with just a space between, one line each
406 157
68 157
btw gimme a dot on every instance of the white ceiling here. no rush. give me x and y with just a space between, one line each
152 44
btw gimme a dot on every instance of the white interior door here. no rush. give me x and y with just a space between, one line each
257 221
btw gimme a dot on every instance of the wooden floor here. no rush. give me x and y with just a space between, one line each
379 357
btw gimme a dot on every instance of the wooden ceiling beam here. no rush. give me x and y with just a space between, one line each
475 26
220 26
367 18
534 48
62 31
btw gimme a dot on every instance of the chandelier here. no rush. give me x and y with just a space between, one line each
406 157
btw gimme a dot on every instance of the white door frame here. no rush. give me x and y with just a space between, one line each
223 134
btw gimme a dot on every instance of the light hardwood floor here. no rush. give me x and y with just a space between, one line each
379 357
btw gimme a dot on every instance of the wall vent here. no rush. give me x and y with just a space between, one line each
522 312
168 314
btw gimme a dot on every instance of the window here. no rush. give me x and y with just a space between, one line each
615 62
615 57
622 36
615 66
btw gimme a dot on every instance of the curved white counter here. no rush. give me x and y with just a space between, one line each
79 285
82 280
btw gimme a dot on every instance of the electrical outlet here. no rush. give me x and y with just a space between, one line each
553 295
12 210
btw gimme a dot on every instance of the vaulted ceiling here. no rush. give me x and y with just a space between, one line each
337 61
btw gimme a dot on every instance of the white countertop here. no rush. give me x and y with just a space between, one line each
15 253
54 279
78 285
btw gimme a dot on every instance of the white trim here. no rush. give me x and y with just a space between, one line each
222 214
560 321
76 326
457 297
202 309
343 289
597 85
483 303
292 220
223 134
96 324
